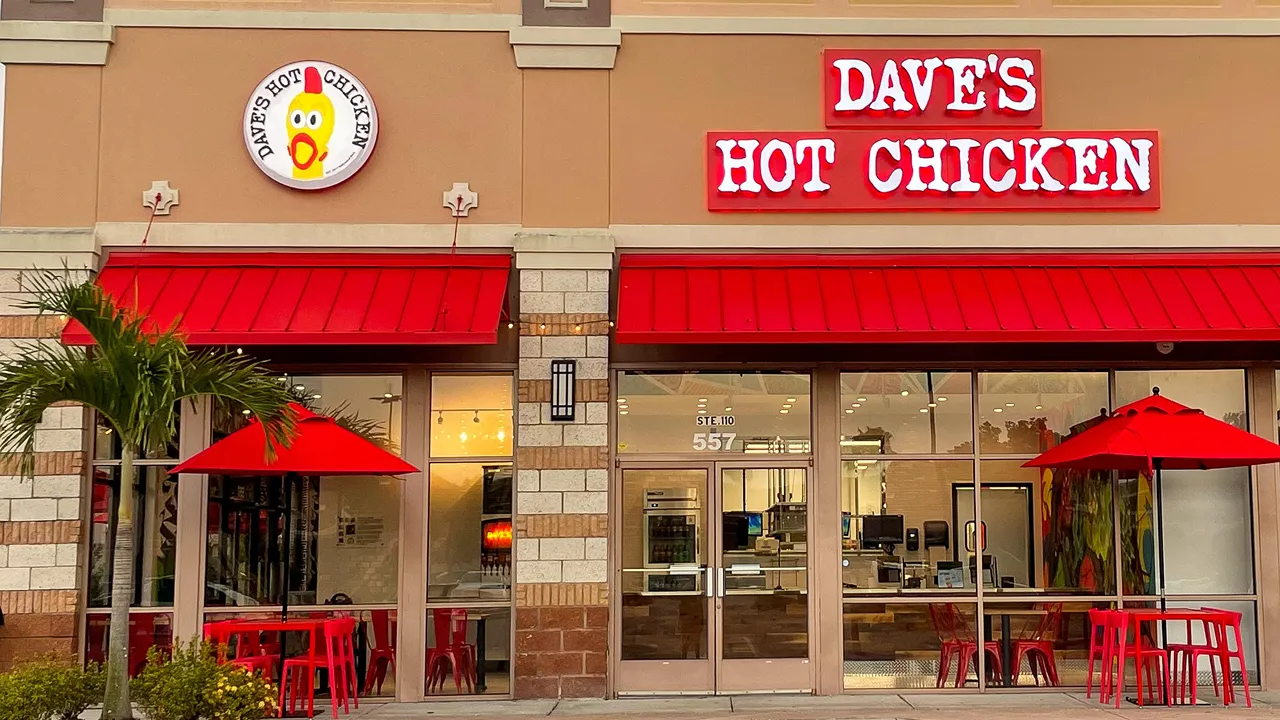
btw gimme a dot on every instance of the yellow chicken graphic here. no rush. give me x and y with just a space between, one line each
310 125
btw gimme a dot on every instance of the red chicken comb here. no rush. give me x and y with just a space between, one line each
311 80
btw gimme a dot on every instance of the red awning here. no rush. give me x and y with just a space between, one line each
311 298
948 298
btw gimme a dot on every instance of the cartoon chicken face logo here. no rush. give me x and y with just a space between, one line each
310 125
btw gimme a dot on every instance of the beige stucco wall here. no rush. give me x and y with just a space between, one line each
591 148
1219 154
566 150
50 146
449 109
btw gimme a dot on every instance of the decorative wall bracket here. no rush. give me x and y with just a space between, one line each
160 197
460 199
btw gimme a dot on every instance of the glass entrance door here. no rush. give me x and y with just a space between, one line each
762 587
665 582
713 579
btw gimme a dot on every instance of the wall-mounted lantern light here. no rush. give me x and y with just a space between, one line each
562 381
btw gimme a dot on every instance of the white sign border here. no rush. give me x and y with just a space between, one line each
325 183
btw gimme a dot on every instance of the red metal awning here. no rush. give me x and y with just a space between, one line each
948 298
311 298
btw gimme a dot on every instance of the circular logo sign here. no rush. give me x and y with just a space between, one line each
310 125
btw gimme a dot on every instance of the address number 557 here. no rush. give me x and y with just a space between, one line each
714 441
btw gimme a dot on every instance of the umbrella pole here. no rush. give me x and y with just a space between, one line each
285 551
285 557
1158 501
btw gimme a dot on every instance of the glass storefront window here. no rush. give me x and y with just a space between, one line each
345 540
374 643
897 646
146 630
345 531
1051 529
906 413
904 525
106 443
471 533
1219 393
471 416
1207 514
1176 633
1026 413
751 413
483 667
155 535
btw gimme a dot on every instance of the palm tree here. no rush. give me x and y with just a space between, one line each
134 378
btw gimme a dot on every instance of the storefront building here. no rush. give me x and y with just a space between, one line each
720 333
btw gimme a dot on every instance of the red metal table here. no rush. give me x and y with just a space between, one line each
222 632
1138 616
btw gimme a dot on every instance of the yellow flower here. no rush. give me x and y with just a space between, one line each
262 704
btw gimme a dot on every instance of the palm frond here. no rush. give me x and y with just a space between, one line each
134 377
226 376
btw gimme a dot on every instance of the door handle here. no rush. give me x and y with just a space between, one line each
711 583
720 590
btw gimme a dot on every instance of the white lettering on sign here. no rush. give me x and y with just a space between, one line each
740 155
705 420
864 170
929 162
895 83
714 441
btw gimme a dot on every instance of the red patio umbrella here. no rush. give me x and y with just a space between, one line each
1155 434
319 447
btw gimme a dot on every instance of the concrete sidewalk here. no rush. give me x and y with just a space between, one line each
1045 706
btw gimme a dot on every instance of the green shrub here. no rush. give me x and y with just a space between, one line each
242 695
50 690
191 685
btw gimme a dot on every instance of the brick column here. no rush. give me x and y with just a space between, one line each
42 543
562 501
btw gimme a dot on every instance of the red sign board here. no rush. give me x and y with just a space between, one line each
932 88
867 171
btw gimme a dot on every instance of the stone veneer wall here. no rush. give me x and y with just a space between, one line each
40 520
562 501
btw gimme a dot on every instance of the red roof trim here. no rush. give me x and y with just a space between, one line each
956 298
142 258
311 298
1005 260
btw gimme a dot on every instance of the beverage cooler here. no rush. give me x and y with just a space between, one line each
672 521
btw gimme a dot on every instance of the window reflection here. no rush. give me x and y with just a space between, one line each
1207 539
471 532
902 646
753 413
906 413
469 652
155 535
1030 412
345 531
146 630
471 416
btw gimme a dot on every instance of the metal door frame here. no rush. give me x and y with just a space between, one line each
713 468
